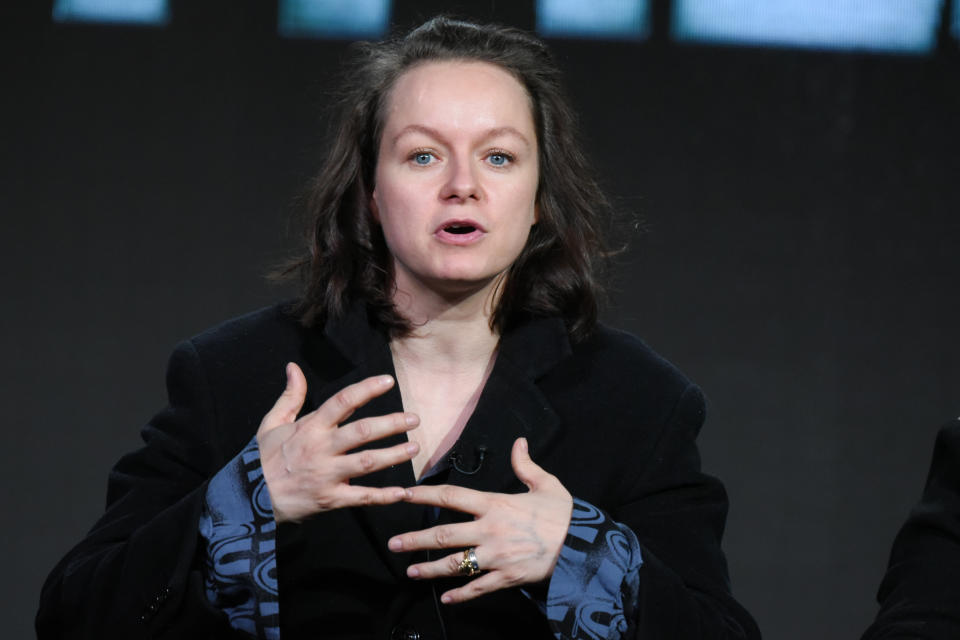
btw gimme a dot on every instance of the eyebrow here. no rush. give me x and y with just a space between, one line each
433 133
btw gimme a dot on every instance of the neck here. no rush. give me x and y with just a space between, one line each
450 333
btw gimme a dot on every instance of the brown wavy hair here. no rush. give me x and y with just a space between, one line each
556 273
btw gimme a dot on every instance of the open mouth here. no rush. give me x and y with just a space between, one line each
459 229
461 232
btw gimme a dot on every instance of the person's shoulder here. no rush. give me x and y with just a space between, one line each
262 335
949 435
623 350
265 323
621 367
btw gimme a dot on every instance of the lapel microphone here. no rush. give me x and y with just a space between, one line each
479 453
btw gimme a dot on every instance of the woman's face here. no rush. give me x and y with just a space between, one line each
456 176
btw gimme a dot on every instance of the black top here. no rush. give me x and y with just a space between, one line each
920 593
615 422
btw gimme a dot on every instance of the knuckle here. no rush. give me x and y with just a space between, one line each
336 440
367 461
363 430
513 576
325 503
454 563
343 400
447 496
441 536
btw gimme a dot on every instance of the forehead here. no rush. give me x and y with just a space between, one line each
457 94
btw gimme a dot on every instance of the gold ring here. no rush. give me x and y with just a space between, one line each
469 565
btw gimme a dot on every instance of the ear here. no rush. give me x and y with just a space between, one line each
374 207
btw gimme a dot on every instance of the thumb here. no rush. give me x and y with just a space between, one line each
528 471
288 405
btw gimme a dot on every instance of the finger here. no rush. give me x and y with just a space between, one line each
288 405
450 497
343 403
370 460
446 567
352 435
445 536
528 471
356 496
485 583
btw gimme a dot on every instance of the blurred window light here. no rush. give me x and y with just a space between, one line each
333 18
610 19
902 26
144 12
955 27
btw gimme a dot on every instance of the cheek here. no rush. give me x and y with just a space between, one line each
526 201
529 196
395 223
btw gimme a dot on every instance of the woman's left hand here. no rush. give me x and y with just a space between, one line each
517 538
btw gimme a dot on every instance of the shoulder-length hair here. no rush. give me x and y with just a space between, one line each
556 273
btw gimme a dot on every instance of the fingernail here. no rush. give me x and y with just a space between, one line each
395 544
412 448
413 572
407 494
411 419
445 599
523 444
385 381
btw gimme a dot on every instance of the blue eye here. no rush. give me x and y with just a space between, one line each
499 159
423 158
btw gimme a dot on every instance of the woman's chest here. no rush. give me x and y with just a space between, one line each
444 408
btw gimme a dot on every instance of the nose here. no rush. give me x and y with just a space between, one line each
462 183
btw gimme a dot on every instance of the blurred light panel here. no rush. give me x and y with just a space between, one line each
333 18
145 12
903 26
610 19
955 27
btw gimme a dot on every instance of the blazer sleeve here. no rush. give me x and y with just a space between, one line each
678 514
137 573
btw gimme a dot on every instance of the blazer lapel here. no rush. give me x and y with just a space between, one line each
364 352
510 406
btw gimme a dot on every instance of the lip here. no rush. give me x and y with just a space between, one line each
459 239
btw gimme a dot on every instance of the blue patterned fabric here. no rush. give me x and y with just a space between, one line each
590 596
596 580
240 533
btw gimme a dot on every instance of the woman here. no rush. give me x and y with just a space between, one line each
458 451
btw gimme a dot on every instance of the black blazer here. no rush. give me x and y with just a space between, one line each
614 421
920 593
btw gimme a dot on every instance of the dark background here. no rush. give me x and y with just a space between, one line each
798 261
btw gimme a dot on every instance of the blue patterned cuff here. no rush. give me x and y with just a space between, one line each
238 528
595 584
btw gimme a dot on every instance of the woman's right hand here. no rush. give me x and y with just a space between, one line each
306 463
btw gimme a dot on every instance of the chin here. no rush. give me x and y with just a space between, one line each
461 284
